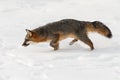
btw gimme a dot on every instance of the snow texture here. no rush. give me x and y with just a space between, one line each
40 62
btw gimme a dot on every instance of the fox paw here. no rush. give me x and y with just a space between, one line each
71 43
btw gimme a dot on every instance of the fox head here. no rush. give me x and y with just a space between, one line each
28 38
32 37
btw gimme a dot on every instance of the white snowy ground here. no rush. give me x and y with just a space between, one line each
40 62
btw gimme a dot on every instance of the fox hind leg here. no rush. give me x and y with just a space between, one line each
73 41
86 40
55 42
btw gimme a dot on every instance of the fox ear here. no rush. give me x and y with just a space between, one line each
29 32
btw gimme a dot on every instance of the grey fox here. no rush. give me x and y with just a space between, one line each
65 28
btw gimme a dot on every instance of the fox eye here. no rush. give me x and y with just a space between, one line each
26 39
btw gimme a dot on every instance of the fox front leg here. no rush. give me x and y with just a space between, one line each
55 42
54 45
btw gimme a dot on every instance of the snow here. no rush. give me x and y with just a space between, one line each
40 62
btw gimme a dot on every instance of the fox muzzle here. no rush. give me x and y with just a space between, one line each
25 44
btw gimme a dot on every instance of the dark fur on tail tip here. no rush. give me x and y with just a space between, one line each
109 35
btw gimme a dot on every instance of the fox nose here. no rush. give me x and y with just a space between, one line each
25 44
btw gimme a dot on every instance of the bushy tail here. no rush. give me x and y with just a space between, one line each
102 29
